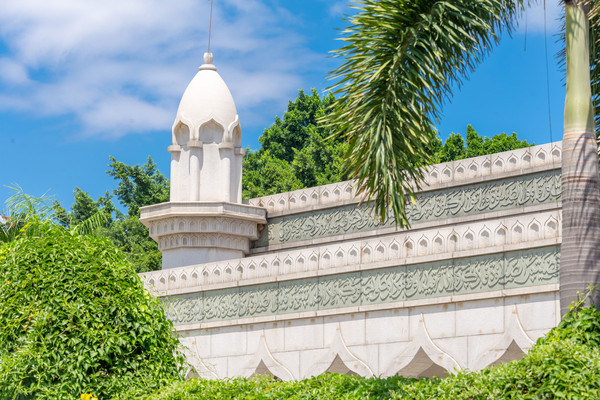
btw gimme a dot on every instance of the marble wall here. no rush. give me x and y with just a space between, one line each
326 287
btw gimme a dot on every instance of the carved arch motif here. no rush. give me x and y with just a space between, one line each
511 346
422 357
339 359
181 121
263 363
210 131
198 368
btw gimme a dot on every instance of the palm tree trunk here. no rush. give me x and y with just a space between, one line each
580 252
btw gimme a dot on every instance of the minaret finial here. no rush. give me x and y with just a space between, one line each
209 28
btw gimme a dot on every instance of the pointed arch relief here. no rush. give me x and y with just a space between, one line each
421 366
198 368
339 359
181 130
263 363
422 358
511 346
233 135
211 131
263 370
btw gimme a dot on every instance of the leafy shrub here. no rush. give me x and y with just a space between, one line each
564 364
76 320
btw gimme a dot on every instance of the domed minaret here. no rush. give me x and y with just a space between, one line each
205 219
206 141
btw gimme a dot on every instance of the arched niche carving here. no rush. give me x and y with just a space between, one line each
263 370
421 357
181 131
422 366
339 367
192 374
513 352
263 363
233 135
339 358
511 346
211 132
198 368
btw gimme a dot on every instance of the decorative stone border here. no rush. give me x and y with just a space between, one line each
485 273
409 247
478 198
494 166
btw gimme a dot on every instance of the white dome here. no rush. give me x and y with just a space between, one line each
206 97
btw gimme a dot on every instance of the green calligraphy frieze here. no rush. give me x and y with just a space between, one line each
524 268
498 195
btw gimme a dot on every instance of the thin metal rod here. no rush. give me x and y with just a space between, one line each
210 24
547 74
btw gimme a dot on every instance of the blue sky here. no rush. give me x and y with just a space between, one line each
81 80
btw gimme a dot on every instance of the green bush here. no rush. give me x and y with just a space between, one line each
564 364
75 318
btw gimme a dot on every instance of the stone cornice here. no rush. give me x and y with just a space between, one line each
202 209
457 173
487 236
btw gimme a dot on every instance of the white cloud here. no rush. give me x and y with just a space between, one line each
12 72
532 19
121 66
340 8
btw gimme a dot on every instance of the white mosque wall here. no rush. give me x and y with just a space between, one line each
473 282
449 335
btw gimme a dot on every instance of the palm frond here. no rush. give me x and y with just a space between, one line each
23 211
402 57
91 225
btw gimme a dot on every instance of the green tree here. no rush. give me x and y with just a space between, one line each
139 185
402 58
454 148
133 239
83 207
76 319
297 151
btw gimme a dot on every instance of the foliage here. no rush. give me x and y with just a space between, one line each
22 210
564 364
401 59
132 238
76 319
296 151
138 186
455 147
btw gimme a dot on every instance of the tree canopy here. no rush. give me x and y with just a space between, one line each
299 151
138 186
296 151
76 319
